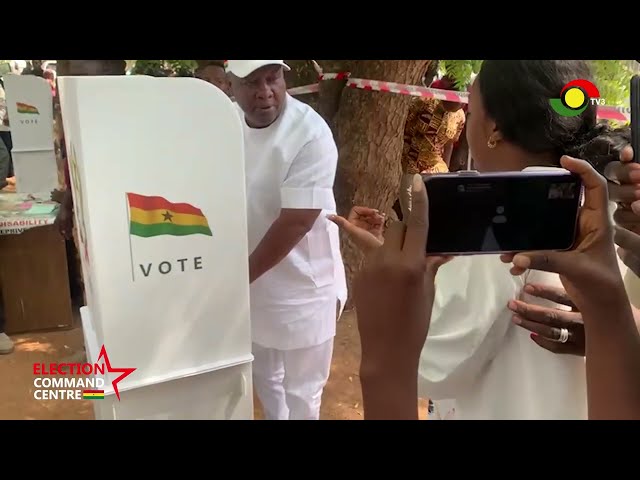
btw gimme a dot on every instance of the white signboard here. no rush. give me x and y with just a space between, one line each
157 170
29 105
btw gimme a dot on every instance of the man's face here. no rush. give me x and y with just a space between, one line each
216 76
261 95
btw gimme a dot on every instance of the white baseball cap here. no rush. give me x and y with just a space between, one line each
243 68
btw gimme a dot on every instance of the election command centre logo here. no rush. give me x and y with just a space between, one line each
76 381
575 97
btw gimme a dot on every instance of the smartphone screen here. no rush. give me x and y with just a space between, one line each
497 213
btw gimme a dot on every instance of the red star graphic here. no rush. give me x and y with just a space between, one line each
125 371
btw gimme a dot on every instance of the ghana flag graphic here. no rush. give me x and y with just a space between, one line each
153 216
93 394
26 108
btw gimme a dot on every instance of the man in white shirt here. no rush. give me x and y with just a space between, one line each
295 267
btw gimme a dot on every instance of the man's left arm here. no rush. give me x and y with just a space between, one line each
306 191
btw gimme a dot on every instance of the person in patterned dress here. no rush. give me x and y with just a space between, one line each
431 129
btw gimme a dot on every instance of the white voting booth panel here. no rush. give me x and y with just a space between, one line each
222 394
157 169
30 108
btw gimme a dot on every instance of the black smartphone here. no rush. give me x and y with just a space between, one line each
474 213
635 114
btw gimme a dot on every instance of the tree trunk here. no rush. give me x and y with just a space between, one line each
302 73
370 129
330 92
327 100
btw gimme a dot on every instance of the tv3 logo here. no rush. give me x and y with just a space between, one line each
575 97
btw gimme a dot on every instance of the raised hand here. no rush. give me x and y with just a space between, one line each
364 225
393 296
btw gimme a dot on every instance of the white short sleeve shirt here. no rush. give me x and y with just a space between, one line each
292 164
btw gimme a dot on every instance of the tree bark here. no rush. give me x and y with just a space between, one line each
369 127
327 100
330 92
302 73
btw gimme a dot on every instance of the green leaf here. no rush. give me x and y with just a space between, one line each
461 71
163 68
612 77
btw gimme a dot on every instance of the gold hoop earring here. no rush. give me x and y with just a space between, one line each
491 143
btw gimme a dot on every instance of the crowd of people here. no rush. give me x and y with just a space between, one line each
525 336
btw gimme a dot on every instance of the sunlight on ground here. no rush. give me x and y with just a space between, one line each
26 345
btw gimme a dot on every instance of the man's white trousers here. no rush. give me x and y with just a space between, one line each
289 383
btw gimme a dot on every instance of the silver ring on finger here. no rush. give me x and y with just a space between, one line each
563 335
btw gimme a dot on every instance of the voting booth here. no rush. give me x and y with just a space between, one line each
157 169
29 104
34 279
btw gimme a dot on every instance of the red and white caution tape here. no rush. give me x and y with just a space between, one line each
414 90
620 114
313 88
334 76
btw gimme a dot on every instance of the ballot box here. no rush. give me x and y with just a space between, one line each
29 104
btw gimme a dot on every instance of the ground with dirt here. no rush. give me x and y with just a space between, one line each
342 399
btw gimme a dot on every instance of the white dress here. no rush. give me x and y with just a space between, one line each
483 365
